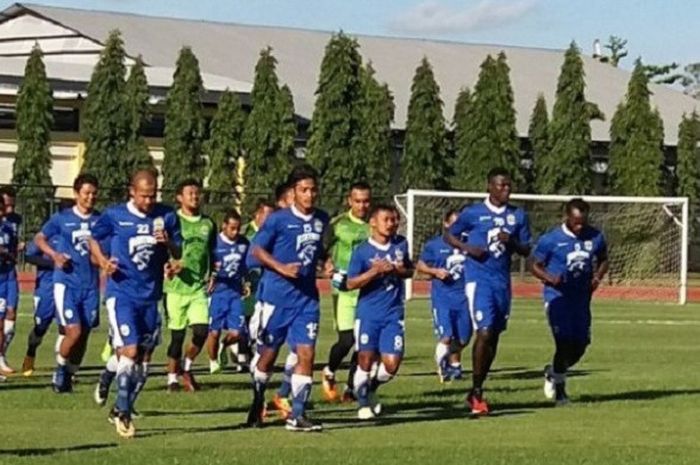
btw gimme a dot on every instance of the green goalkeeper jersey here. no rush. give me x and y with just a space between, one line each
198 237
347 232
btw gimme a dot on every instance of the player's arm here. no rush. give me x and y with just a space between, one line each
358 281
602 266
462 225
98 257
34 256
520 241
288 270
539 261
41 239
433 272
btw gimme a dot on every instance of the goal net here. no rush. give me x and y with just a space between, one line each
647 239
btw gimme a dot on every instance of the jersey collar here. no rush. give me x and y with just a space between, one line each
223 237
377 245
493 208
355 219
186 217
133 210
299 214
567 231
77 213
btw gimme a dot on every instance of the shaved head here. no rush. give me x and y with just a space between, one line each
140 175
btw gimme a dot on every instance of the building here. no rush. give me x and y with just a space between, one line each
72 39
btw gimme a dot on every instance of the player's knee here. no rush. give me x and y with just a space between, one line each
177 338
305 355
129 352
365 359
199 335
73 332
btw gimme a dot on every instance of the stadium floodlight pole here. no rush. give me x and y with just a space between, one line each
407 204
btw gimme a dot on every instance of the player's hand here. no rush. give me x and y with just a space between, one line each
476 252
61 260
382 266
290 270
595 283
555 281
210 285
217 266
328 268
161 236
441 274
247 289
503 237
21 246
109 266
172 268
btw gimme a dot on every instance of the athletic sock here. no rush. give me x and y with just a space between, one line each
442 351
125 384
9 333
285 388
188 364
33 342
301 390
172 378
361 384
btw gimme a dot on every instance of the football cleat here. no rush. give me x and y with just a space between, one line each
455 372
124 426
100 395
173 387
282 405
443 373
6 369
256 415
560 395
303 424
28 366
330 387
549 391
112 415
348 395
478 405
188 382
214 367
365 413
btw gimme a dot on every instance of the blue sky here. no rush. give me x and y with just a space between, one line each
661 31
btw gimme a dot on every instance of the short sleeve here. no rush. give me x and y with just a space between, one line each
172 227
52 227
543 250
408 260
357 263
463 224
33 250
602 249
265 237
103 228
524 236
427 256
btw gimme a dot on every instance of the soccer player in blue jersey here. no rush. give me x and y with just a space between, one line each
8 280
226 289
571 260
143 235
44 308
378 268
289 247
76 278
496 230
451 321
14 220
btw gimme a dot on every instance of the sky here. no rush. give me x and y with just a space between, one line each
659 31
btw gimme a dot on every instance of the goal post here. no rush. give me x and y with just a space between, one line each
647 238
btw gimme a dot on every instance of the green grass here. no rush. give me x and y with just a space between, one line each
636 399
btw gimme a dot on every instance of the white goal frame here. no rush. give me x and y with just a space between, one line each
683 223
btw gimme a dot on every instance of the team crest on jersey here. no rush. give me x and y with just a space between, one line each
307 244
79 238
498 221
141 250
510 219
455 264
241 248
158 223
204 229
588 245
318 225
399 255
231 263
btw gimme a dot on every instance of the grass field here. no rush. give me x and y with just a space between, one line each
636 399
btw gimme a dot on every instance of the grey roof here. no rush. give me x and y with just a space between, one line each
231 50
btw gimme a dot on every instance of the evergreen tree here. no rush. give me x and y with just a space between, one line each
567 167
137 95
636 141
687 170
374 145
489 138
538 133
424 164
336 122
184 124
224 149
32 164
460 123
269 133
105 122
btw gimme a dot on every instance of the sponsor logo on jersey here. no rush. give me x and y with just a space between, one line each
511 219
588 245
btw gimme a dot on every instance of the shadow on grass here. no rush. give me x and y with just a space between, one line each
218 411
30 451
537 374
642 395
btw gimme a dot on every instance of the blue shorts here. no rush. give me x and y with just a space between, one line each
489 305
3 298
12 296
133 322
384 335
226 312
452 322
296 325
77 306
44 310
569 320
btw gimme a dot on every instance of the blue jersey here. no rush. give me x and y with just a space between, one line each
439 254
482 222
15 220
385 294
8 241
572 258
230 257
73 228
291 237
43 281
140 259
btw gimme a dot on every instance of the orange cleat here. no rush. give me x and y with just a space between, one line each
282 405
28 366
478 405
330 387
188 382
